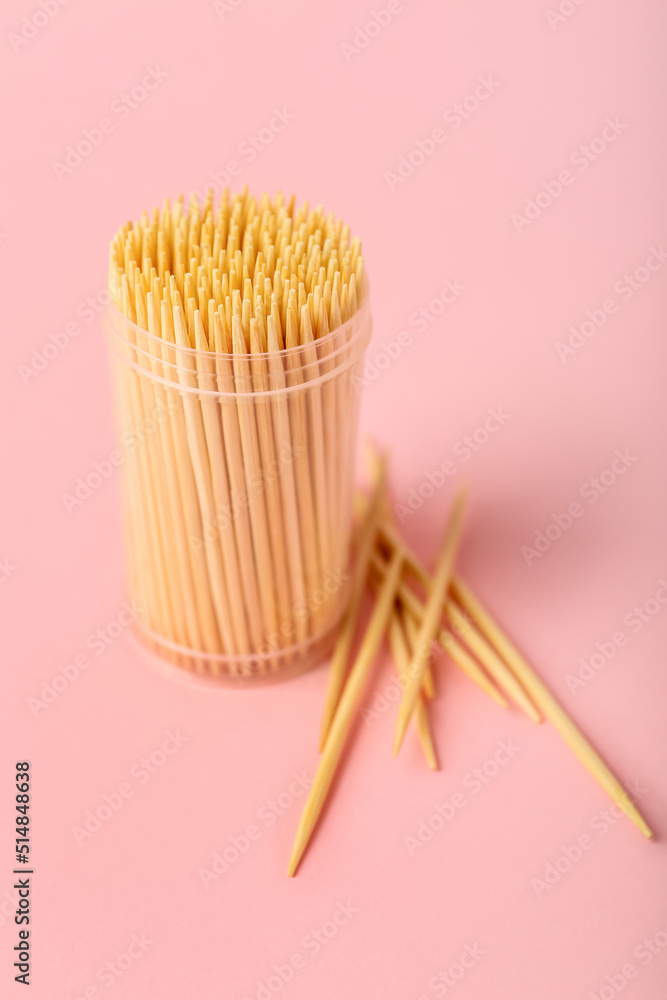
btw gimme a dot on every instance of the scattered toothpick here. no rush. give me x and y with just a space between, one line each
336 676
430 621
342 719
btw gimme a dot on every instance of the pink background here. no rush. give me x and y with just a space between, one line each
495 346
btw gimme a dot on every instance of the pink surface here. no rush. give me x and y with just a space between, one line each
399 918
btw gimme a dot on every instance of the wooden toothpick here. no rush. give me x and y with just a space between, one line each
227 554
346 632
430 622
465 628
400 651
346 707
552 710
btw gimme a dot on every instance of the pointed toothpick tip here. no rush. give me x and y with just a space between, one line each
297 854
634 814
401 726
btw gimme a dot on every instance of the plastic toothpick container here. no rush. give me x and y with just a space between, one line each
237 487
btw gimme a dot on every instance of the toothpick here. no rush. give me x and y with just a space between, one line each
254 481
401 654
210 641
311 371
340 726
430 621
218 577
238 511
347 629
151 397
158 609
374 464
412 632
552 710
414 614
202 470
172 492
270 462
300 453
485 653
233 626
288 489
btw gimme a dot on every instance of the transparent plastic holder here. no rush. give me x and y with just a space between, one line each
237 487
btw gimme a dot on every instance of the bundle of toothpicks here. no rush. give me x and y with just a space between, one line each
415 609
237 327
